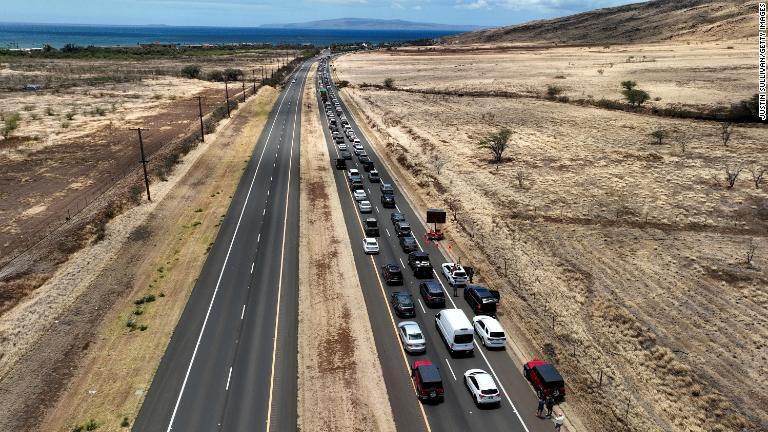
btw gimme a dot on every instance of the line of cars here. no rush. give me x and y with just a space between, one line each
453 326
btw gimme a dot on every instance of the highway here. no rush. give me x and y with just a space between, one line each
231 363
458 411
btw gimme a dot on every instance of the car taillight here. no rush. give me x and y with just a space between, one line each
440 391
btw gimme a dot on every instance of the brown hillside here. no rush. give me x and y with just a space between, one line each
653 21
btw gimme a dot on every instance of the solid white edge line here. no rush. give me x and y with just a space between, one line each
282 260
221 274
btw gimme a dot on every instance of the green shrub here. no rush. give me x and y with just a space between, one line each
10 123
91 425
191 71
389 83
125 422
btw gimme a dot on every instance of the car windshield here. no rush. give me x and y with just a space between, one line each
497 334
463 338
459 274
415 336
405 300
489 392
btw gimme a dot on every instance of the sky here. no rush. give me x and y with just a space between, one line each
251 13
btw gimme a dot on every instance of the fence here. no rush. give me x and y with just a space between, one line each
74 216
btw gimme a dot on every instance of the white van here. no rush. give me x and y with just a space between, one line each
456 331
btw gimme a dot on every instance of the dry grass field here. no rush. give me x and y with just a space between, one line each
699 74
74 140
636 251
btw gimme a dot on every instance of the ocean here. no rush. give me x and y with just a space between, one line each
16 35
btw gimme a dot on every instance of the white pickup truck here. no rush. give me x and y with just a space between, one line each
455 274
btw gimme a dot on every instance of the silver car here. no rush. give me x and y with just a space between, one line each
412 337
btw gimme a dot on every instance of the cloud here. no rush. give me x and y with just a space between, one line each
477 4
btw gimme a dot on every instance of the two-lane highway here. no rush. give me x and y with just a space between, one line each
458 411
231 362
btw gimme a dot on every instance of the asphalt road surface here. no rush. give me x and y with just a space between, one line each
458 411
231 362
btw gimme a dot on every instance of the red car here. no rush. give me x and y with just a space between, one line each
426 379
545 379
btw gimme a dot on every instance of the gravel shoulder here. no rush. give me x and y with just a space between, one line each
341 386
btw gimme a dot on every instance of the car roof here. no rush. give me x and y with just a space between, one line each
408 239
370 240
491 323
410 327
403 224
548 373
484 381
481 291
433 285
419 254
429 373
392 267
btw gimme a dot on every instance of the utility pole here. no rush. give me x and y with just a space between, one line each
226 93
200 110
262 73
144 164
254 81
243 88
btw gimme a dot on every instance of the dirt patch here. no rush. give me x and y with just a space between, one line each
340 382
87 363
615 255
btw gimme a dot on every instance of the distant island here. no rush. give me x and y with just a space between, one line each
371 24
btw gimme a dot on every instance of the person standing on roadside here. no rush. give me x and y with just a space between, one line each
550 405
559 420
540 409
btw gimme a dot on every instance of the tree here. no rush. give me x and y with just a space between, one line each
636 97
520 175
757 175
389 83
497 143
438 162
659 134
215 75
751 248
731 176
554 91
232 74
191 71
628 85
726 129
10 123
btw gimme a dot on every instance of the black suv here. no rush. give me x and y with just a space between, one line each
419 262
402 302
403 229
392 274
388 201
397 217
345 153
341 163
373 176
371 227
482 300
408 244
432 293
387 189
366 162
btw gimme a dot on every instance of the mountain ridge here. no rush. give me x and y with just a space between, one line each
652 21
